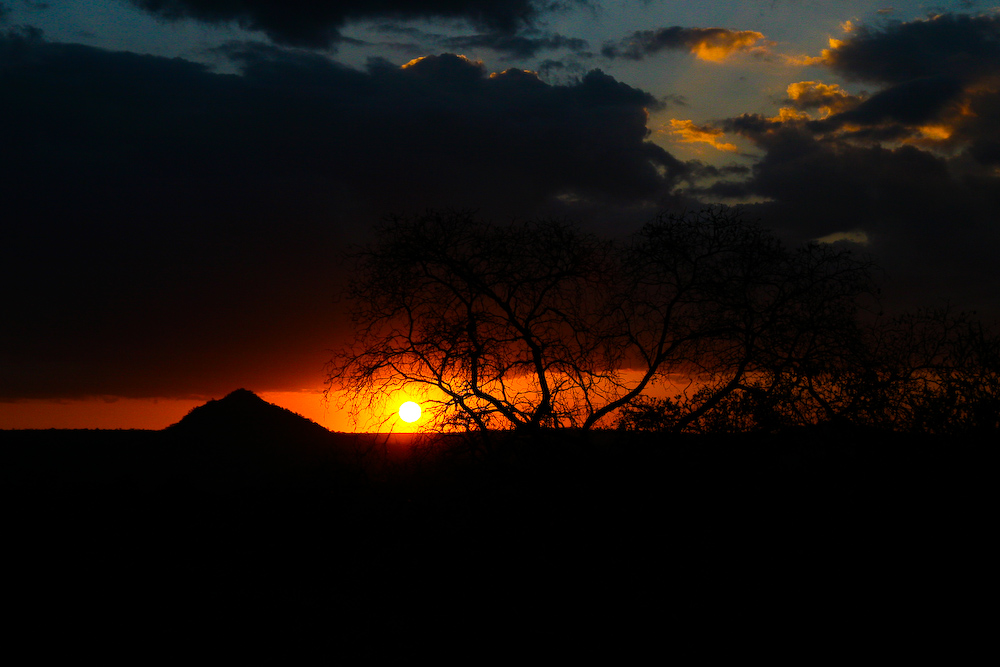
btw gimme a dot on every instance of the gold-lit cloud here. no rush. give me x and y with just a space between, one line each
802 60
717 46
947 129
824 58
803 89
788 114
687 132
827 98
514 71
413 62
936 132
456 55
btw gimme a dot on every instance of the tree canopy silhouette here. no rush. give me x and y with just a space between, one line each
537 324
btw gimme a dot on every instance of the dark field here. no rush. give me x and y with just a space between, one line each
645 533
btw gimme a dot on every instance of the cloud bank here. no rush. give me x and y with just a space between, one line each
317 23
912 168
178 230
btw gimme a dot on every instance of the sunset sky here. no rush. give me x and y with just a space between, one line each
181 178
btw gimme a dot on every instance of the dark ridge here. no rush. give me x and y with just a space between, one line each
244 414
245 441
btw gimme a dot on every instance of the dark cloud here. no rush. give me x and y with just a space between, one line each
827 98
723 191
911 167
911 103
698 169
317 23
942 78
934 232
526 44
986 151
707 43
929 225
940 82
173 230
516 46
674 100
947 46
698 172
755 126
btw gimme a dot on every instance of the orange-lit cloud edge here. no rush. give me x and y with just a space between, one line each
830 99
687 132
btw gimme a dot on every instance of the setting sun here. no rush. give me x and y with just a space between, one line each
409 412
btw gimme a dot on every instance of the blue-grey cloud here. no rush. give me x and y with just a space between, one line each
517 46
317 23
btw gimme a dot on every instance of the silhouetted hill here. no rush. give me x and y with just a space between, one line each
244 415
245 440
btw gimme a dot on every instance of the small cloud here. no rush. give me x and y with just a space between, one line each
803 60
827 98
560 70
856 236
937 132
517 46
673 99
825 57
717 48
687 132
789 115
711 44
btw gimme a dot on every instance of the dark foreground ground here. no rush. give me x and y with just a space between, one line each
618 536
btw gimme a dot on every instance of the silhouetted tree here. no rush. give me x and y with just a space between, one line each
537 324
713 297
933 370
930 371
504 323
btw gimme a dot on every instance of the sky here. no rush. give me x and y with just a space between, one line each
181 179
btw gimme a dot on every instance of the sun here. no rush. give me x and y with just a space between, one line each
409 412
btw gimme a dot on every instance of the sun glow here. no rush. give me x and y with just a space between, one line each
409 412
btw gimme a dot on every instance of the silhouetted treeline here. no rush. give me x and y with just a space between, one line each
538 325
934 371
